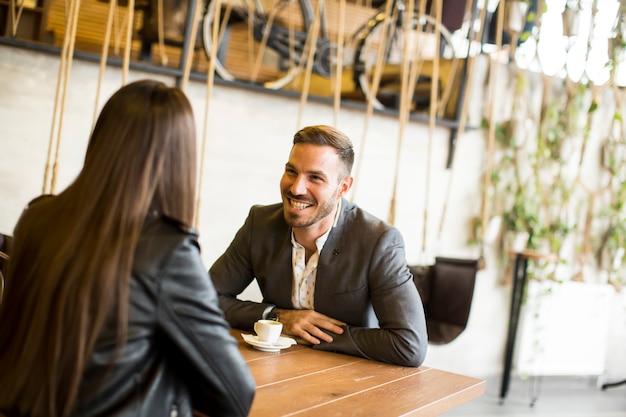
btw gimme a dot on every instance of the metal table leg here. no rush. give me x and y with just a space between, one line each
519 284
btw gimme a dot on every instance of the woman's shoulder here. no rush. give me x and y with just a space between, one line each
38 202
166 226
160 237
39 199
178 225
34 214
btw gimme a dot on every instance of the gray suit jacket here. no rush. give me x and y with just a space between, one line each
362 280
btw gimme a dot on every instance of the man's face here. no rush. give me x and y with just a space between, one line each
311 186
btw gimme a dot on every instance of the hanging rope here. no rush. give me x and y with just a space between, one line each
117 32
338 70
161 32
471 59
215 34
462 116
373 90
447 92
129 40
310 47
15 20
103 57
292 17
434 90
448 87
596 88
197 16
593 194
410 60
251 41
493 81
618 255
586 239
65 65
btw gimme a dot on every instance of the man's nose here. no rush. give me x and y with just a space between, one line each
298 187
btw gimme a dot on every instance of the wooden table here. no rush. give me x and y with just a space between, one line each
301 381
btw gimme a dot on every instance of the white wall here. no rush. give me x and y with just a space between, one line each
248 144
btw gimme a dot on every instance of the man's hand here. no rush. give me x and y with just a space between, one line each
307 324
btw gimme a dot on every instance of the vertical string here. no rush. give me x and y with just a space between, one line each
338 73
494 79
161 32
15 20
461 118
216 38
103 57
311 42
409 56
373 89
197 15
434 88
47 187
258 59
129 40
67 53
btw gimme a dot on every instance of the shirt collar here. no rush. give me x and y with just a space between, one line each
338 213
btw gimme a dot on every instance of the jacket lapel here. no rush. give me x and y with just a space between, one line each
334 250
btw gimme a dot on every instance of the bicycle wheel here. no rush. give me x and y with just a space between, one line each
421 39
257 40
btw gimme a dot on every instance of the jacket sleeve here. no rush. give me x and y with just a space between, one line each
189 315
231 273
401 337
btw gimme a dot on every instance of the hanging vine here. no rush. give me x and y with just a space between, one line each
559 175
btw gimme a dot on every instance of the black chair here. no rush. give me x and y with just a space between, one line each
446 289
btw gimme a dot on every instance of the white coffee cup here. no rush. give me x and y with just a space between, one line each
268 330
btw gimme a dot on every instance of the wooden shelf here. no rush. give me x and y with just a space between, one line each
31 24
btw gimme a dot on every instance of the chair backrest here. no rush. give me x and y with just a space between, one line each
446 289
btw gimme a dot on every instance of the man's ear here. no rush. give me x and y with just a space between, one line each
344 187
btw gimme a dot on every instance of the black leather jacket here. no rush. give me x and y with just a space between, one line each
179 355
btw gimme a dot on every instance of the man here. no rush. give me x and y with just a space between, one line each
333 274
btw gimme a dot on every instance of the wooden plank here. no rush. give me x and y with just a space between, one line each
288 365
326 386
423 394
92 18
355 16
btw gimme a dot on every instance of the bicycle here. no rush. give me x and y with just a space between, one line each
263 41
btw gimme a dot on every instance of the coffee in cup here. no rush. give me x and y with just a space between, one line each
268 330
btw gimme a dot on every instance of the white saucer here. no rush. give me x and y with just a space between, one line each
281 343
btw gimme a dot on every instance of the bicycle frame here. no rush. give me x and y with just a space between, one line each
290 44
286 44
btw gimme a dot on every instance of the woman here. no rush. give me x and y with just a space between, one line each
108 309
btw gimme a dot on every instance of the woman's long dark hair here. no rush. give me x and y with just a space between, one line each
72 255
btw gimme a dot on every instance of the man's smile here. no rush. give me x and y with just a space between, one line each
298 205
